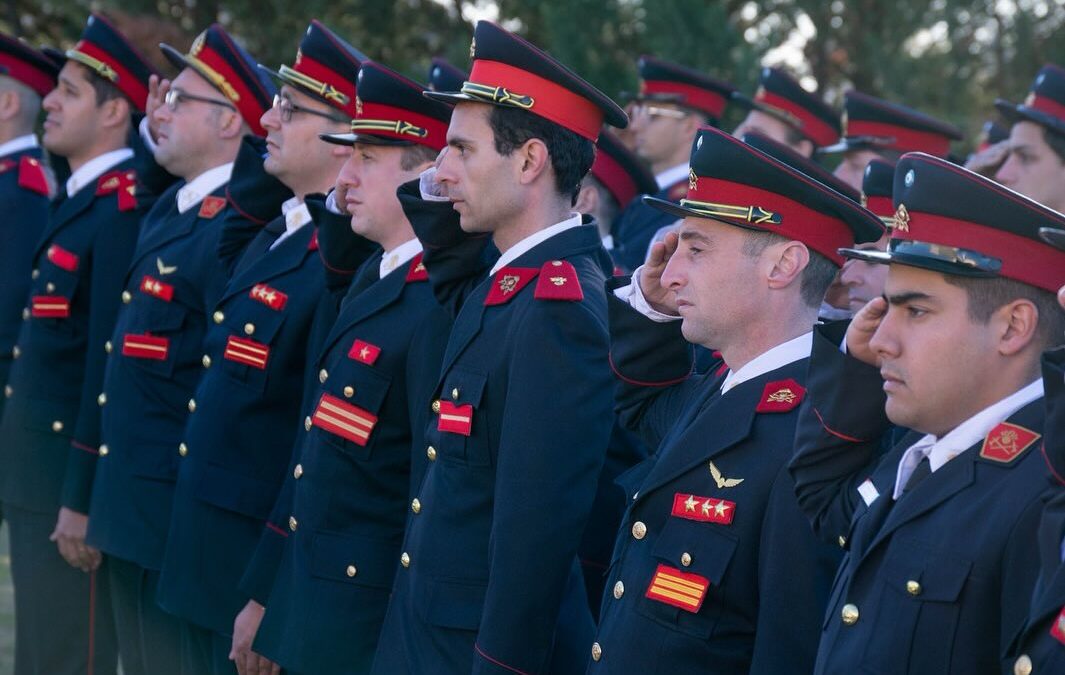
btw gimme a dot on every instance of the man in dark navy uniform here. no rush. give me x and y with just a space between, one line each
488 579
242 421
50 427
1035 163
704 568
26 76
350 483
941 527
674 101
171 287
1040 648
785 112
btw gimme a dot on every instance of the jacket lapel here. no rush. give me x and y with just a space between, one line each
263 264
65 213
370 301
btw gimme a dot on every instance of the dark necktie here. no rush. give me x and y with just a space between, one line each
920 472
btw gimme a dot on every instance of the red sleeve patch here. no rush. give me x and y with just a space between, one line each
1006 442
558 281
31 175
781 396
211 206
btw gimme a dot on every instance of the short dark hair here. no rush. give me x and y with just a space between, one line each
415 155
1056 141
987 295
571 154
105 91
816 277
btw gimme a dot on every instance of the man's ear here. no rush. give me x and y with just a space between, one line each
587 200
1015 324
785 263
532 159
9 105
116 112
231 125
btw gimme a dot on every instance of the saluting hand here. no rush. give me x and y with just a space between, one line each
862 328
245 627
69 536
157 88
987 161
660 297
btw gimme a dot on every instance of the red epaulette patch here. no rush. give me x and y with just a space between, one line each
211 206
248 352
271 297
417 271
364 352
313 244
62 258
781 396
1006 442
680 589
703 509
507 282
122 183
31 175
157 289
1057 630
678 191
723 368
558 281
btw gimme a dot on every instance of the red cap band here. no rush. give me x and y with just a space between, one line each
881 206
218 72
324 75
812 126
820 231
401 124
1046 105
614 178
694 97
1023 259
550 100
904 139
127 82
37 80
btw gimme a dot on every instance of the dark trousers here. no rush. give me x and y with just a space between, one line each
63 623
148 638
205 652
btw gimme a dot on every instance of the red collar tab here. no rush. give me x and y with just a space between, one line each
1006 442
417 271
123 183
507 283
31 175
558 281
211 206
781 396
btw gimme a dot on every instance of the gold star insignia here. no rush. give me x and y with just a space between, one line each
689 503
706 507
721 508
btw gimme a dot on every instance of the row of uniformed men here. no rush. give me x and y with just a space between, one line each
179 439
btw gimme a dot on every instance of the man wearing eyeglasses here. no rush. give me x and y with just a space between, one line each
674 102
245 410
174 281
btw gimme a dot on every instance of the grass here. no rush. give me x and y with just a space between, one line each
7 609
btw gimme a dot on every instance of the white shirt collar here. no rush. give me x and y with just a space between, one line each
192 193
776 357
18 144
962 437
88 172
394 259
671 176
296 216
540 236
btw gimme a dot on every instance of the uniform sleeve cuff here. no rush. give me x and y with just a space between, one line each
633 295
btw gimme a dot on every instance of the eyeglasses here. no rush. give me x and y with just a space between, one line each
286 108
644 110
174 97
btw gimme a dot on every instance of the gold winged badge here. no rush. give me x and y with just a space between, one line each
721 481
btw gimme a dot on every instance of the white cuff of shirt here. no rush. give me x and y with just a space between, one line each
431 191
633 295
146 136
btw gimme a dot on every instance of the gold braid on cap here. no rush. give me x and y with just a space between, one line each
755 215
497 95
323 89
393 126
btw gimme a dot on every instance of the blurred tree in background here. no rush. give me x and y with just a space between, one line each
950 58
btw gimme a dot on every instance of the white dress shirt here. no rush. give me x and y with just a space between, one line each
538 237
18 145
404 253
769 360
88 172
672 175
941 450
296 216
192 193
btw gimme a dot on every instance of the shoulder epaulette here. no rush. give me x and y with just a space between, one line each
1006 442
781 396
558 281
